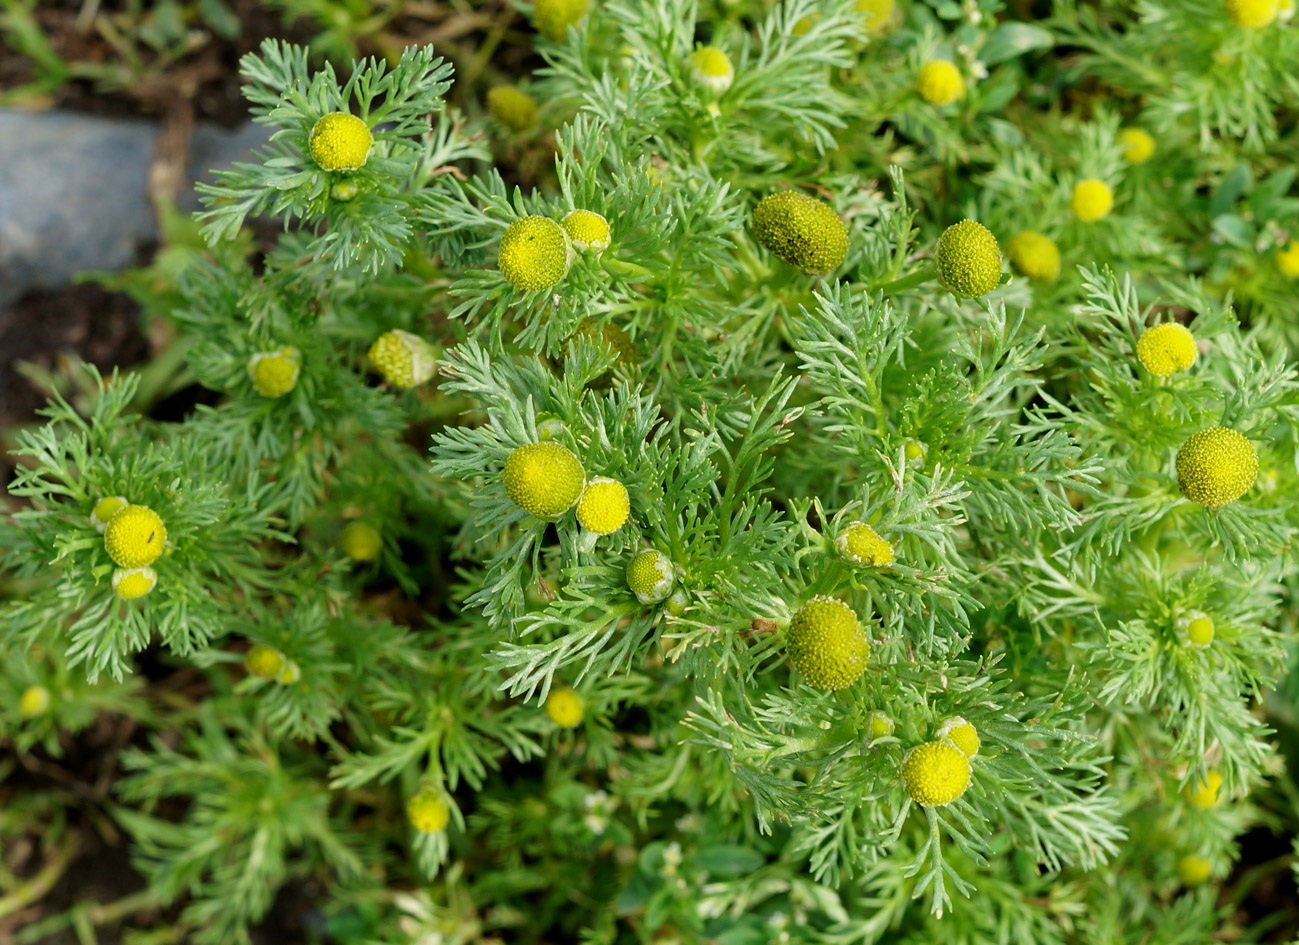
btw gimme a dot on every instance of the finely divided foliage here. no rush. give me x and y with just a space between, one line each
1004 440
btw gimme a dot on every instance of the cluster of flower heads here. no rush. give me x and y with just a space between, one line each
536 252
134 537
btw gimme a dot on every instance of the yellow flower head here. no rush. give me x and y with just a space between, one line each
879 725
801 230
1252 14
105 509
604 506
344 190
879 13
860 544
404 360
1287 260
554 17
360 541
588 231
1034 255
263 661
565 708
340 142
1138 145
512 107
827 644
650 576
427 812
968 260
935 774
961 734
1193 870
275 373
940 82
543 479
711 68
1215 467
1166 348
535 253
33 702
135 536
134 583
1092 199
1195 629
1203 795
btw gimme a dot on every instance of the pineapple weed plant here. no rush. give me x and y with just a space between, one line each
845 507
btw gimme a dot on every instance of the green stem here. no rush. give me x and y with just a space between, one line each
633 272
919 277
40 884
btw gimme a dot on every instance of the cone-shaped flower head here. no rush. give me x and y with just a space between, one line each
427 812
544 479
860 544
360 541
826 643
133 583
33 702
275 373
135 536
404 360
1092 199
961 734
1195 629
604 506
935 774
565 708
105 509
535 253
264 661
940 82
879 725
587 230
711 68
968 260
801 230
1193 870
512 107
1287 260
340 142
1138 145
1034 255
1166 349
1216 467
878 13
554 17
1203 795
1252 14
650 576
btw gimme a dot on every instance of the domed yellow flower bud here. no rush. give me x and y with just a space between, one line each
105 509
1034 255
1193 870
33 702
650 576
565 708
935 774
275 373
1138 146
1203 795
1287 260
290 674
340 142
135 536
961 734
263 661
940 82
134 583
1252 14
826 643
360 541
860 544
554 17
1215 467
344 190
427 812
916 452
1195 629
711 68
404 360
512 107
968 260
543 479
1166 348
1092 199
604 506
803 25
879 725
588 231
535 253
801 230
879 13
